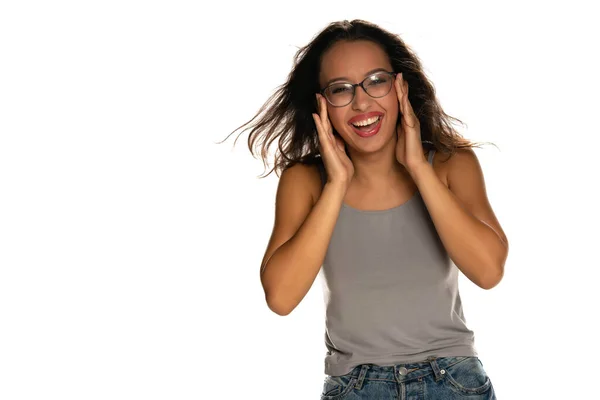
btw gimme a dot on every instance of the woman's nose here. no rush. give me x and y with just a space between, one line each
361 99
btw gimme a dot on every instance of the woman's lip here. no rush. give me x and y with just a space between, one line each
370 133
363 117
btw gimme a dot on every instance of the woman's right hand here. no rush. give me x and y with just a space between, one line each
338 165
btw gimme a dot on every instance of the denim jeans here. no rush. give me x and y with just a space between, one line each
436 378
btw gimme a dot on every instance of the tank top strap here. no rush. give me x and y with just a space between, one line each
431 153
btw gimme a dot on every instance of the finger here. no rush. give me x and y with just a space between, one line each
405 106
399 93
320 134
325 143
324 117
398 85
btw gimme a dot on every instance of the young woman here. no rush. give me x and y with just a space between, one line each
378 190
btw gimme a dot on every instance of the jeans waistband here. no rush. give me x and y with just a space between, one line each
404 372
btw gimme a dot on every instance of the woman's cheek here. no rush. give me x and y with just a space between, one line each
338 123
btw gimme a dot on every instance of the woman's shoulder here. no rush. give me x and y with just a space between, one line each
451 162
308 174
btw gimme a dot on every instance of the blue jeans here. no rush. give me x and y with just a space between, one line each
436 378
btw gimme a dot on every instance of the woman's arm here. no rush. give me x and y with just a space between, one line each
464 219
301 234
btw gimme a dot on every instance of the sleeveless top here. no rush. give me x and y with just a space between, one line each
390 290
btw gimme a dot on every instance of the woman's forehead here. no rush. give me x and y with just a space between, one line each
352 60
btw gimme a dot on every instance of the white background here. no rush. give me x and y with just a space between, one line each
131 243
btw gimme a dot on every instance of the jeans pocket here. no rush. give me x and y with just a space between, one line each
468 377
336 387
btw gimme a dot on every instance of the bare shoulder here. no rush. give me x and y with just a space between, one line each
459 161
305 178
464 159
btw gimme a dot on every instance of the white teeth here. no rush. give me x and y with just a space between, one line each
366 122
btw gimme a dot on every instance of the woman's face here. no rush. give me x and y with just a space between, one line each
352 62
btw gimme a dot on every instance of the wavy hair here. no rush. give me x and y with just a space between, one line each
286 117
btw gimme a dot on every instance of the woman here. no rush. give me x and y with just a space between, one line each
365 194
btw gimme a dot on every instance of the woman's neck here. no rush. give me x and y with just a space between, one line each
375 169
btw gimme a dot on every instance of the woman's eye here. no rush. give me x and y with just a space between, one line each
377 81
338 90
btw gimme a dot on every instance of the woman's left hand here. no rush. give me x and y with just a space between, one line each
409 149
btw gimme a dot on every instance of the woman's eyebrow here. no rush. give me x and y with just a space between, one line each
343 78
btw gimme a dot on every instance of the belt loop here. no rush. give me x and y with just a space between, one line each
361 376
436 369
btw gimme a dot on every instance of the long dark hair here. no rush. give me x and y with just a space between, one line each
287 115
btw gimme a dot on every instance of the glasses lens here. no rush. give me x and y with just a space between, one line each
378 85
339 94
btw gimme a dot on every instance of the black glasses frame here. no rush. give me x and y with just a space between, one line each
355 85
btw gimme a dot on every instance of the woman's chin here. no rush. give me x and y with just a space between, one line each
371 144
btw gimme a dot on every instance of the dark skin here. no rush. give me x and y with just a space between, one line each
379 180
390 167
383 171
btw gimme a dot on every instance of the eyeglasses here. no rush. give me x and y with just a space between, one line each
377 85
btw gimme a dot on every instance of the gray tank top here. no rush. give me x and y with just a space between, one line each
390 290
